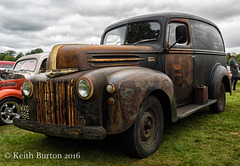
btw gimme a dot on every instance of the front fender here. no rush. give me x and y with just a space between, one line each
10 93
218 76
132 87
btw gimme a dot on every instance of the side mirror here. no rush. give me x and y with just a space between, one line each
181 34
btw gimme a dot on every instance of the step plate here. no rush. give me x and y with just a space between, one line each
187 110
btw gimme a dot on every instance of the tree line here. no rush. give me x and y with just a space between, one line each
11 55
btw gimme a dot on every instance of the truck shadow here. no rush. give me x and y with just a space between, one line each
110 147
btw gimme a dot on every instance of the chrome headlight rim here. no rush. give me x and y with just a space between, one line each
90 86
31 88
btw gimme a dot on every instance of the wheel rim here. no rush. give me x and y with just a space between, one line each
148 127
9 110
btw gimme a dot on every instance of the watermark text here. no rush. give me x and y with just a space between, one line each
40 155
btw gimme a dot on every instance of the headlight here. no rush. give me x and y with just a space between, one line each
84 88
27 88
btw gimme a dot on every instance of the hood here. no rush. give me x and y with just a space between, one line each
66 59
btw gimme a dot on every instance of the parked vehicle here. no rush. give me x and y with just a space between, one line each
11 82
6 64
10 99
147 70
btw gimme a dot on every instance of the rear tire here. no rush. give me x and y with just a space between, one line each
145 135
221 97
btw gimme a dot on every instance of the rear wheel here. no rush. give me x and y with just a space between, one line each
221 97
9 108
145 135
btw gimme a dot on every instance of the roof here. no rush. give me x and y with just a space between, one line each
37 56
167 15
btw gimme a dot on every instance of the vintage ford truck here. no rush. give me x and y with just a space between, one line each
147 70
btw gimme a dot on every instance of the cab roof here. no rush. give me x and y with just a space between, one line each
157 16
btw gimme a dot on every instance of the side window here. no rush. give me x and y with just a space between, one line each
206 36
171 33
43 66
115 37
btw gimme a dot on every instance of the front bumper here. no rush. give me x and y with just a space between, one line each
83 132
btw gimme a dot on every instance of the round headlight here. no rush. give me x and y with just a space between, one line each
27 88
84 88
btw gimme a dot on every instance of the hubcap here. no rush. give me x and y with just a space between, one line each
148 127
9 110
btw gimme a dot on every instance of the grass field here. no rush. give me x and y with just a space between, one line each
203 138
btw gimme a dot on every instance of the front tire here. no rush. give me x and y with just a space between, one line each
145 135
9 108
221 97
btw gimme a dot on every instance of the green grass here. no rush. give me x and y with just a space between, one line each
203 138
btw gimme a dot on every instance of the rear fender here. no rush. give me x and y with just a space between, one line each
219 75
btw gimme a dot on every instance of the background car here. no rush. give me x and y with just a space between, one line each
12 80
10 99
6 64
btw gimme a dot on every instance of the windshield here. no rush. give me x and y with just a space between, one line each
28 65
136 33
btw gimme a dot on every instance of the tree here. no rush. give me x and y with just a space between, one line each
10 52
2 56
228 56
37 50
9 58
19 56
238 58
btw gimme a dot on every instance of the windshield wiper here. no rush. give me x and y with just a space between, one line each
145 40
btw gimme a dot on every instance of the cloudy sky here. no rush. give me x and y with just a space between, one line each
31 24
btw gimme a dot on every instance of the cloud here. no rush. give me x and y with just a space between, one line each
28 24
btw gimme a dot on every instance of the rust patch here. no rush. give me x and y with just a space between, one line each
129 107
179 67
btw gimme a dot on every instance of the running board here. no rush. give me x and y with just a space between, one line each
187 110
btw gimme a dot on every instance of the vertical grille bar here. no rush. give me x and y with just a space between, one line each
73 105
52 102
48 103
57 103
63 103
41 88
36 98
45 102
69 104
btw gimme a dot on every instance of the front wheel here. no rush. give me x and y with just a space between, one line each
221 97
9 108
145 135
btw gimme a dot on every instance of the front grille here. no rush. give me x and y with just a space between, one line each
55 102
